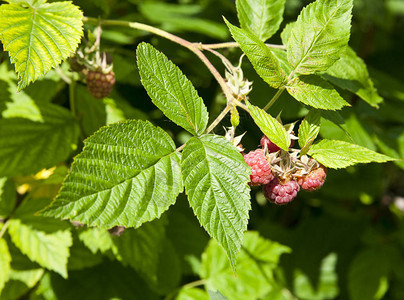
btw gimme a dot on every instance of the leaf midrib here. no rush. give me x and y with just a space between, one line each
316 37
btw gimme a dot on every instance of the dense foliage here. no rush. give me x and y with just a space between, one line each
144 193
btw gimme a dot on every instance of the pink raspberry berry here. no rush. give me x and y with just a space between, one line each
270 145
279 193
314 180
261 170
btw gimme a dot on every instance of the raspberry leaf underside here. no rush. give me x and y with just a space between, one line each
350 73
170 90
263 60
27 147
320 33
127 174
338 154
260 16
39 35
270 127
216 182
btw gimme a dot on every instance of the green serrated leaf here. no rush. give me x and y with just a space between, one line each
255 267
316 92
27 147
338 154
285 34
350 72
260 16
216 182
263 60
170 90
39 35
309 129
5 260
8 197
127 174
319 35
97 239
140 248
49 249
270 127
282 58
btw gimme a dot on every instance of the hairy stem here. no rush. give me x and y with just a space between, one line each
219 117
176 39
233 45
274 98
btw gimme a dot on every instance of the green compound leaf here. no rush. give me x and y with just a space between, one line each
127 174
5 260
309 129
350 73
49 249
216 182
27 147
319 35
39 35
256 263
316 92
338 154
261 17
263 60
170 90
270 127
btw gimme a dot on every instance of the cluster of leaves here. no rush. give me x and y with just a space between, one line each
129 173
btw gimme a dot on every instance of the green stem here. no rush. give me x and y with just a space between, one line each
176 39
4 228
233 45
219 118
274 98
194 284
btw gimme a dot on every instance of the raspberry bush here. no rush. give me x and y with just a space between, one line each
152 150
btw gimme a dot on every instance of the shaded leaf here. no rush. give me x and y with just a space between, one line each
50 250
350 72
27 147
255 264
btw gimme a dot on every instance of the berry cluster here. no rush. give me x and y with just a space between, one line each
283 173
